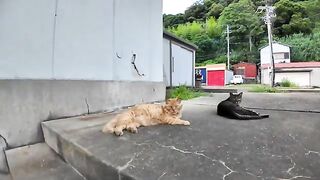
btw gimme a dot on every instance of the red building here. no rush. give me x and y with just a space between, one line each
218 75
247 70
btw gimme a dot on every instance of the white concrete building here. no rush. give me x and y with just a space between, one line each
179 61
304 74
61 58
281 53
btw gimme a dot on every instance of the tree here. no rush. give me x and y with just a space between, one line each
170 20
215 10
195 12
188 31
212 28
303 47
292 18
244 23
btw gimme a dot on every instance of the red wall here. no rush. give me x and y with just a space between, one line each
250 69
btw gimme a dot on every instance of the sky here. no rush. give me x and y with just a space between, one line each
176 6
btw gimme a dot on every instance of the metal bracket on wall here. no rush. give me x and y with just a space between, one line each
118 56
134 64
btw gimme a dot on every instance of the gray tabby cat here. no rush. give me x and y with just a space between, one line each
230 108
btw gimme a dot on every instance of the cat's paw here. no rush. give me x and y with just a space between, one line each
186 123
132 129
118 133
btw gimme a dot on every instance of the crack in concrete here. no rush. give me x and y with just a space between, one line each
223 163
230 170
121 168
175 149
128 164
5 141
292 167
199 153
164 173
306 149
295 177
313 152
88 107
205 156
254 175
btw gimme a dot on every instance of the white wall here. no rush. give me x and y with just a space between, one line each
315 74
299 78
81 42
138 30
228 76
277 48
166 61
265 76
26 38
182 66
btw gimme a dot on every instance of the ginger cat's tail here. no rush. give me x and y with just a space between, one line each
109 127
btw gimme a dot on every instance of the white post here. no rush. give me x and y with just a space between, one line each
269 14
228 51
267 19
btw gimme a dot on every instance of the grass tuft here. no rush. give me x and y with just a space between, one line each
184 93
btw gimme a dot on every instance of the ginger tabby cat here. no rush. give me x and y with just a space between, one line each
146 115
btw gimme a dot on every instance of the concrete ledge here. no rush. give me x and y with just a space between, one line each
75 153
219 90
283 146
29 102
299 90
39 162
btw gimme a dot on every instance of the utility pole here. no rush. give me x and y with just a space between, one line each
268 20
228 48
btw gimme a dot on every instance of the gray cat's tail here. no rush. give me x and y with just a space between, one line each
250 117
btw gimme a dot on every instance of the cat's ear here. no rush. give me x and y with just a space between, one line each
241 93
178 100
168 101
230 93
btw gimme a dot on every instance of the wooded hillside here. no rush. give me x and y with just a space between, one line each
204 23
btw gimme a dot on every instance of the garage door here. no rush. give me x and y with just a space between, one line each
215 78
299 78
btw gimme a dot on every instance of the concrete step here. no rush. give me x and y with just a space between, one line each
151 154
39 162
158 152
81 143
284 146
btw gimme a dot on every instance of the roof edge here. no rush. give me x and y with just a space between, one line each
274 42
168 35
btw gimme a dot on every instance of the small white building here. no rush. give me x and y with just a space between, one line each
304 74
281 53
178 61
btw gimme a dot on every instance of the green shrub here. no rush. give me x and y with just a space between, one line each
287 83
184 93
263 89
